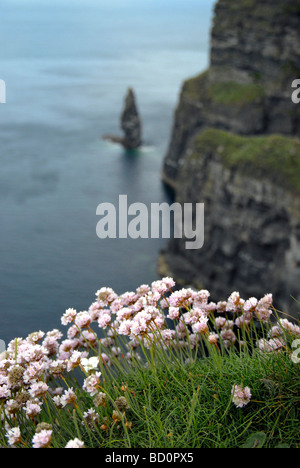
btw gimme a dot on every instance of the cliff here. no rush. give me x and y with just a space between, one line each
235 147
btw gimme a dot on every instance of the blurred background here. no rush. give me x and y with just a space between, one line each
67 66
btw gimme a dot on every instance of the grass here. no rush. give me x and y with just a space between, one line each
224 93
190 407
175 406
273 157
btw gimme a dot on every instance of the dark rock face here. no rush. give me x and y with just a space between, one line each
252 221
223 153
130 124
255 56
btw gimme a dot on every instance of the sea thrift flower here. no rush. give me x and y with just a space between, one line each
182 298
42 439
14 436
90 417
228 337
174 313
90 364
104 319
250 305
221 307
43 427
69 316
290 327
263 310
122 404
83 319
32 408
12 406
91 384
213 338
15 377
143 290
100 400
272 345
162 286
201 326
38 389
35 337
106 296
4 392
234 302
75 443
57 402
68 398
240 396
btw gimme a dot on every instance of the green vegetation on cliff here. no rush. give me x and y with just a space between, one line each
200 88
275 157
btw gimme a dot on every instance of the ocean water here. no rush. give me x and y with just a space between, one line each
67 66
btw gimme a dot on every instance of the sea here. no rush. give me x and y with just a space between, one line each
67 66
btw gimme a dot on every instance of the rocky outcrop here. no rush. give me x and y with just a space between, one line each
234 147
130 124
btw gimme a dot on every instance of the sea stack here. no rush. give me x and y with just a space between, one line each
131 122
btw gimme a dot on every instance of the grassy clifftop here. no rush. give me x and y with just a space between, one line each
275 156
226 93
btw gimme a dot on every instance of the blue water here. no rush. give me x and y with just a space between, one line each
67 66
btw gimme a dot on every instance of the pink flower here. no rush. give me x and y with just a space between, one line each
163 286
38 389
69 316
104 319
174 313
263 310
42 439
68 398
200 327
33 408
234 302
91 384
182 298
105 296
240 396
83 319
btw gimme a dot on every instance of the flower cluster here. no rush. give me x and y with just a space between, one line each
240 396
155 315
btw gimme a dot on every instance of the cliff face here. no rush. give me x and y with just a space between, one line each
255 56
234 147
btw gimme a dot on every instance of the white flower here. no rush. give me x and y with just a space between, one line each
90 364
14 436
76 443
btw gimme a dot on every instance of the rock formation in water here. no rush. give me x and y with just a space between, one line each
234 147
130 124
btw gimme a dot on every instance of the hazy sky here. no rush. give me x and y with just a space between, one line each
116 3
